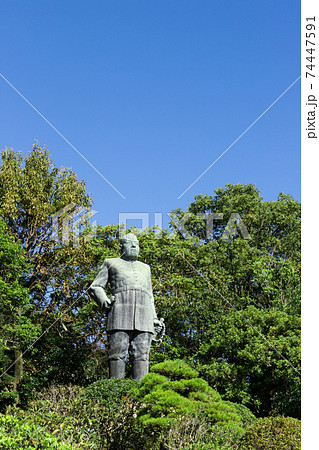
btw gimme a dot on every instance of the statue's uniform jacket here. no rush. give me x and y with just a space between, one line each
133 303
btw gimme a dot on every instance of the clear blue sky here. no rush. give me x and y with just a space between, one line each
152 92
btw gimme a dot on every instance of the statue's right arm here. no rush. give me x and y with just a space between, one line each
97 288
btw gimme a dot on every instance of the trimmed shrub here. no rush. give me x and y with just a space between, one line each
101 416
167 396
247 417
16 434
272 433
157 413
175 369
111 392
195 433
61 412
187 412
112 412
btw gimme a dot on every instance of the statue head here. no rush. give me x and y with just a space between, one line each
129 247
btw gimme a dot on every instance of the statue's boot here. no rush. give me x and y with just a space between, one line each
117 368
140 368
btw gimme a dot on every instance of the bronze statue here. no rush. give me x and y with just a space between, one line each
132 321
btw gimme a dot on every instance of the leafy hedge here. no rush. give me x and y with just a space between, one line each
273 433
98 417
171 408
59 411
17 434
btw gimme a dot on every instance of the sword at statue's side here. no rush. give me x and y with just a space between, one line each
158 338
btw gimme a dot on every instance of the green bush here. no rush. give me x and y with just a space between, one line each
247 417
195 433
183 411
272 433
175 369
112 413
167 396
101 416
111 392
20 434
157 413
59 410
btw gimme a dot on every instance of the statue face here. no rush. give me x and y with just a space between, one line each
130 248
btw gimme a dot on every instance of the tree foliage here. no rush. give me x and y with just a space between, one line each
18 330
32 191
253 357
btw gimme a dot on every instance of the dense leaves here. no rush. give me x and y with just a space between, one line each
18 329
273 433
36 198
253 357
16 434
173 392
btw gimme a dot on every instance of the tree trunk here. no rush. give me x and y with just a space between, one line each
18 369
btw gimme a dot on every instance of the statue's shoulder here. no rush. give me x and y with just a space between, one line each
109 262
145 266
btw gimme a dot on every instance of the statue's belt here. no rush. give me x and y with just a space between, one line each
127 288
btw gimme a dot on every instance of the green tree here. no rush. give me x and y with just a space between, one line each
253 357
199 283
17 327
246 287
32 192
263 270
